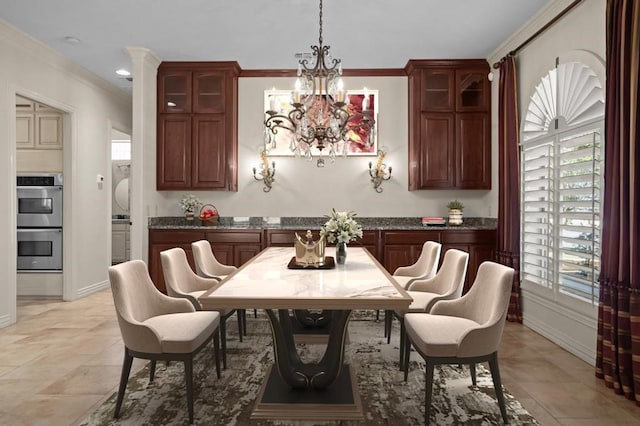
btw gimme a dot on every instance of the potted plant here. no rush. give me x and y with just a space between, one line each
341 228
455 212
190 203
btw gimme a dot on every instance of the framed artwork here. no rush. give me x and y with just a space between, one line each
280 144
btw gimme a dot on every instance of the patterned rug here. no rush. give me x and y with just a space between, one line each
386 398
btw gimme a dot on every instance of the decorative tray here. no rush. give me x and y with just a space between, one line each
329 263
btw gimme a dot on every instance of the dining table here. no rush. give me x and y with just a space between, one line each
297 297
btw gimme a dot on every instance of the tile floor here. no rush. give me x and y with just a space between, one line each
62 359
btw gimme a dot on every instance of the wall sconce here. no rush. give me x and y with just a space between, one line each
266 173
380 172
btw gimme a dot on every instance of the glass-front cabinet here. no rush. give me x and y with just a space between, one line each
437 90
472 88
175 87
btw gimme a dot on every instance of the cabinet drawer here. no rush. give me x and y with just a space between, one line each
410 237
171 237
479 236
234 236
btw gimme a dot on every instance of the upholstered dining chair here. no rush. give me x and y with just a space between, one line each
158 327
446 284
182 282
423 268
466 330
207 266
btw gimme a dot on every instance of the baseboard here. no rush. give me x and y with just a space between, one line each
85 291
5 321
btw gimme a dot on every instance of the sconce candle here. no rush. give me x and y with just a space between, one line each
267 172
380 173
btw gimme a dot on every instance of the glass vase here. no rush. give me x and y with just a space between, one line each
341 253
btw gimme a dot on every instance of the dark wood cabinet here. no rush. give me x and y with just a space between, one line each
197 126
285 238
449 124
231 247
235 247
480 244
160 240
402 248
392 248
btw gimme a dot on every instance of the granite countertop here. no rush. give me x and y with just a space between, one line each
368 223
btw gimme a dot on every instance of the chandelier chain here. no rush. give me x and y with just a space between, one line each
320 31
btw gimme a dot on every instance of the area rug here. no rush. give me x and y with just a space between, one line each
386 398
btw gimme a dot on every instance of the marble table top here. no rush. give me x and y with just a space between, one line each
265 282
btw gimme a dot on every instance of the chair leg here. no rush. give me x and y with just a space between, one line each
152 370
216 351
240 328
428 391
472 369
497 384
403 338
255 313
388 319
223 339
407 353
188 373
377 314
244 321
124 378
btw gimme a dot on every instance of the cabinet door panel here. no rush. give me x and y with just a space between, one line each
174 152
400 255
472 90
473 156
25 137
437 90
209 155
436 151
174 91
208 92
223 253
244 252
49 131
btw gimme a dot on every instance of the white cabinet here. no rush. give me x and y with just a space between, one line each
38 126
120 247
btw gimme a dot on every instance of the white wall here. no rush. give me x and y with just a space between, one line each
93 107
302 189
580 36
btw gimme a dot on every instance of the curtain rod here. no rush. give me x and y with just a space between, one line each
496 65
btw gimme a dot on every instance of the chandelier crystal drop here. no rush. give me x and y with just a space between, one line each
321 115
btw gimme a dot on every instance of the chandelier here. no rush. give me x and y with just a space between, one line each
322 115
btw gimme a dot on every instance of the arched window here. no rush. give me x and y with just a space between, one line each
561 157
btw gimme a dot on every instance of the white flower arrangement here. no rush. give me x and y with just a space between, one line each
341 227
190 203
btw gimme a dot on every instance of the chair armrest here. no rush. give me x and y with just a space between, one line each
172 305
406 271
453 308
428 285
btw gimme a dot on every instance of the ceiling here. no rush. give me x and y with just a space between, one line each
266 34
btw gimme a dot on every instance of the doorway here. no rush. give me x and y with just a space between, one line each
120 198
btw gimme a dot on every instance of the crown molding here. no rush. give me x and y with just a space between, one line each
30 47
545 15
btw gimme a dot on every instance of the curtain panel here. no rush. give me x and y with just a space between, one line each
509 177
618 345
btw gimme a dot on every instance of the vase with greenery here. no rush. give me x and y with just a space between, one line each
455 212
190 203
341 228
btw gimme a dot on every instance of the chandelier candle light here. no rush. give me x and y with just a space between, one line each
321 116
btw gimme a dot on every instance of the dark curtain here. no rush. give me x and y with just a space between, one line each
509 191
618 346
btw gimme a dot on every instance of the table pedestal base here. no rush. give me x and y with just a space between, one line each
278 401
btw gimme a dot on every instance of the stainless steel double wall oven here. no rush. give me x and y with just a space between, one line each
39 206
